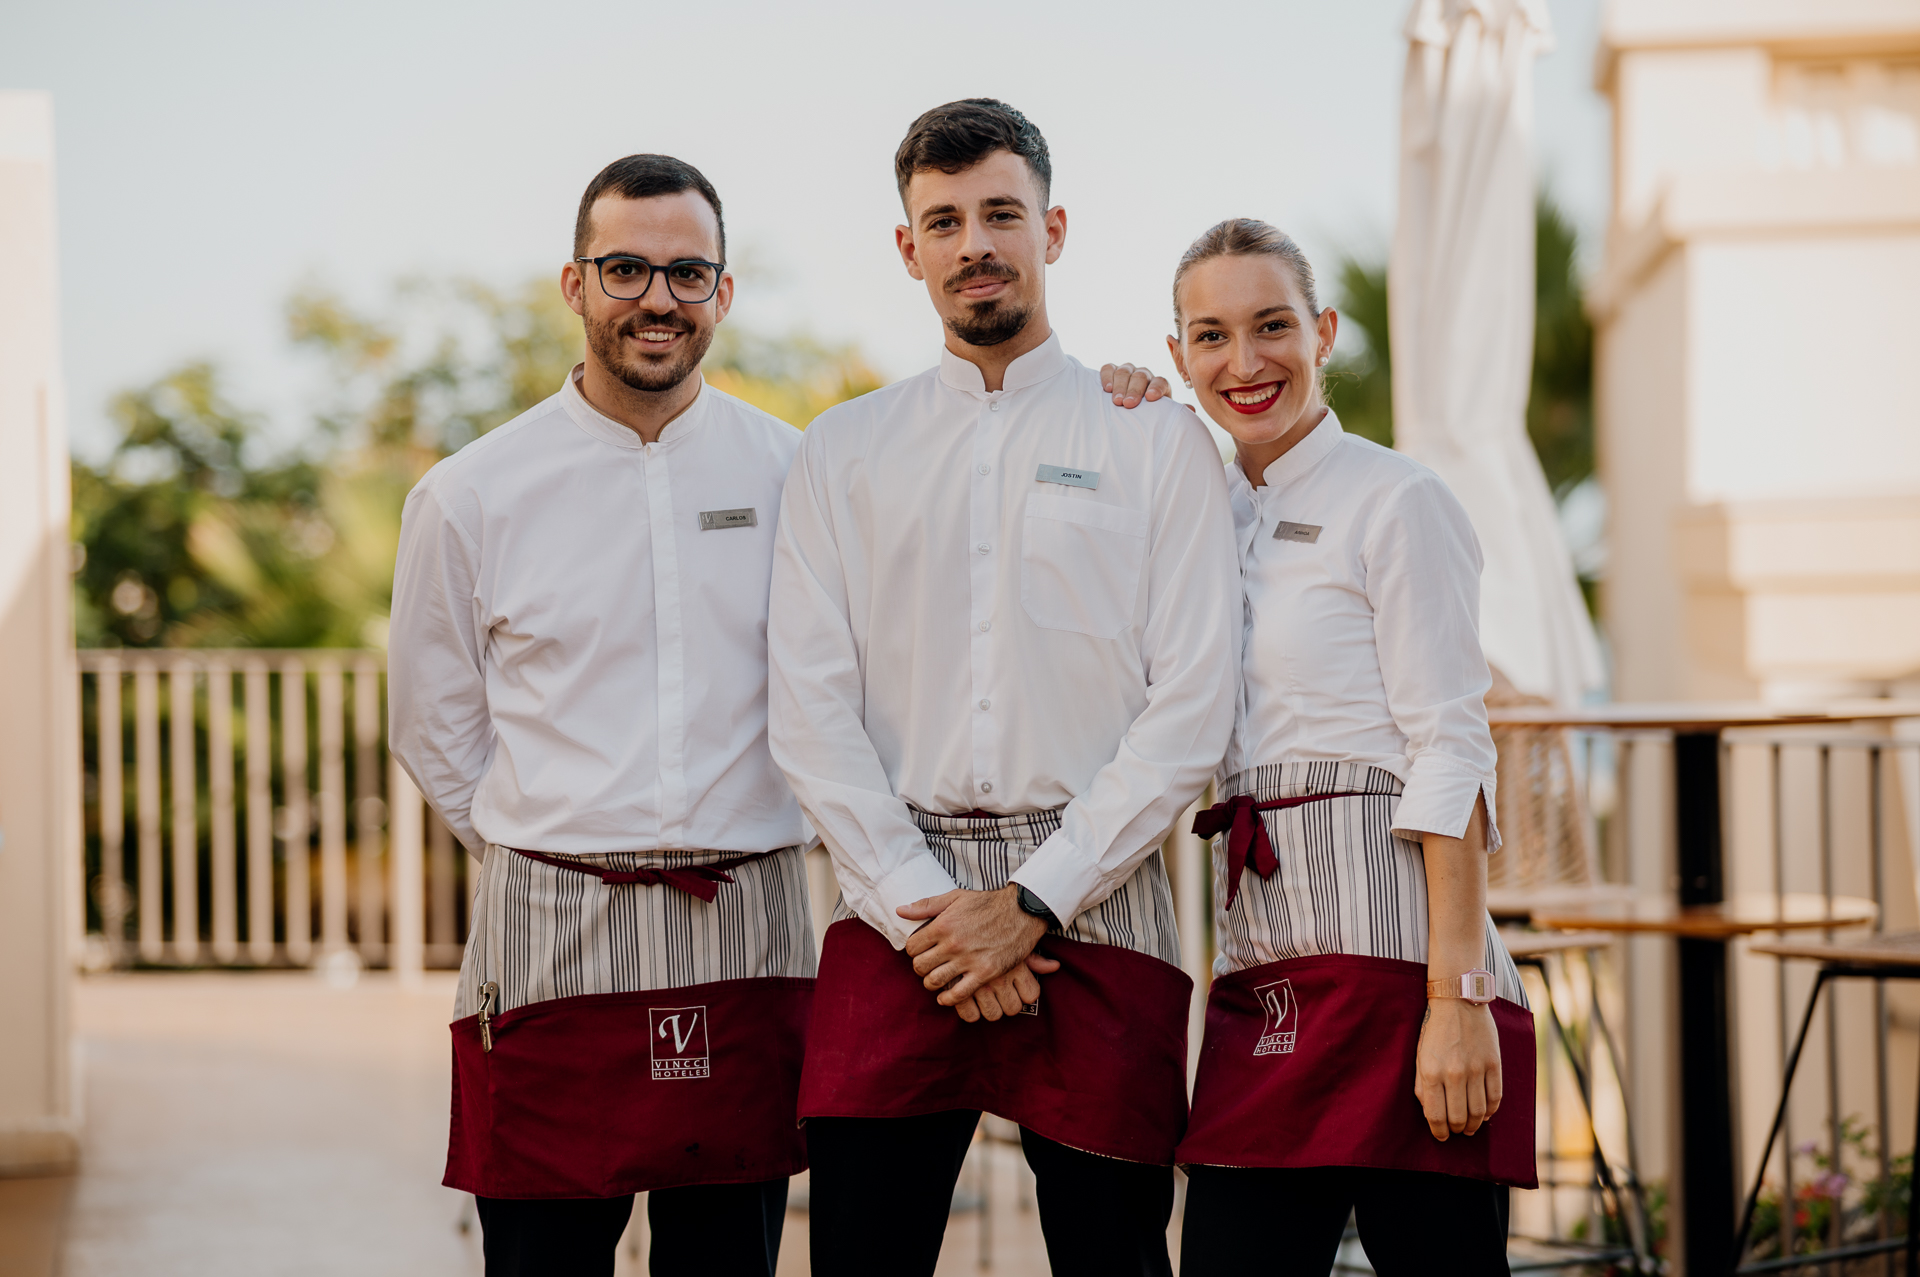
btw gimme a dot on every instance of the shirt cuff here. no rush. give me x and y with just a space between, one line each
1064 879
918 879
1442 803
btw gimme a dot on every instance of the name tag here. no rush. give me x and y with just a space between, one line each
1072 478
711 519
1308 532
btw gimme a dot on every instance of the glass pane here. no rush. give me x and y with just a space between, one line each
624 277
692 281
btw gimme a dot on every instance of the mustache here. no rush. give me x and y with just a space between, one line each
669 321
979 270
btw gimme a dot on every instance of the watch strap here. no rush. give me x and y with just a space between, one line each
1034 905
1474 986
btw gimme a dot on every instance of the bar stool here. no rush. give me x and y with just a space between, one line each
1891 956
1531 949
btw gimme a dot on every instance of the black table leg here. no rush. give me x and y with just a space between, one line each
1707 1191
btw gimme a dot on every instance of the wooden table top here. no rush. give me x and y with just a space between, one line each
1697 716
1892 948
1741 915
1532 944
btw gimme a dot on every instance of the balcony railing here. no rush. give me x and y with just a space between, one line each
241 810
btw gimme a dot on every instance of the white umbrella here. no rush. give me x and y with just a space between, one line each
1461 324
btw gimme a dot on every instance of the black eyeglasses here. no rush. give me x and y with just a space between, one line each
626 279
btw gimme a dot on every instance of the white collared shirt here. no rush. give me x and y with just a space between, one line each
1004 601
577 656
1362 640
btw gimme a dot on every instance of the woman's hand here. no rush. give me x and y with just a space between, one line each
1456 1071
1456 1074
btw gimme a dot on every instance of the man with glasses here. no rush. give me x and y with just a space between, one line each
578 685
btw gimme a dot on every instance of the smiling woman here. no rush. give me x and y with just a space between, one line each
1358 787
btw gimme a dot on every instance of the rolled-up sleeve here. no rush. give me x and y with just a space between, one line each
438 724
815 721
1190 651
1423 581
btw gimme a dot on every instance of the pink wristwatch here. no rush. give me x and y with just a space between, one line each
1474 986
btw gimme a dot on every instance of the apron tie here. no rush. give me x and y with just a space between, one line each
1247 843
702 881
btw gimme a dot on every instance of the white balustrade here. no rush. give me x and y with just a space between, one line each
241 777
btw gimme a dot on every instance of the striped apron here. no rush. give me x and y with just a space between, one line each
619 1033
1098 1063
1314 1018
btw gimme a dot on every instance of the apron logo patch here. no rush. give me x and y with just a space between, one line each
679 1036
1283 1018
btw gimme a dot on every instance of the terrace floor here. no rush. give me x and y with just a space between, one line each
270 1125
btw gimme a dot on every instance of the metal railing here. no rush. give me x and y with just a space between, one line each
240 809
1809 811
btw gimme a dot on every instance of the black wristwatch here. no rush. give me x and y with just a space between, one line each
1034 905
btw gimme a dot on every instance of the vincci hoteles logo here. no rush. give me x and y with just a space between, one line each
1283 1018
679 1037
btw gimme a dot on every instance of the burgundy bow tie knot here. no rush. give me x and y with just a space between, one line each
1247 842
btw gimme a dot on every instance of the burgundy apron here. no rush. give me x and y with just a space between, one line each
606 1094
1099 1063
1310 1062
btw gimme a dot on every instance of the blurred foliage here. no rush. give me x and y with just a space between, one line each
1560 407
1832 1205
192 535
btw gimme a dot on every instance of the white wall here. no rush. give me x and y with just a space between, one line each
39 751
1804 377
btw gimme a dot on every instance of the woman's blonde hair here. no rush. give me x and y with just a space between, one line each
1246 237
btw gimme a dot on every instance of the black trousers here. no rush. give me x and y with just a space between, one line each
716 1230
883 1187
1257 1222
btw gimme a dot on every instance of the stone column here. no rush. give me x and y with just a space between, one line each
40 867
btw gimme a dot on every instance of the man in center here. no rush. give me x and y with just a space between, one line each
1002 644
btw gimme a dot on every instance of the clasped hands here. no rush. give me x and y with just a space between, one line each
975 951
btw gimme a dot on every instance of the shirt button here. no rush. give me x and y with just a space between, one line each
985 704
986 469
985 626
982 547
986 787
994 406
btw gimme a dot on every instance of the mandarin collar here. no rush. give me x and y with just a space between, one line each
607 430
1032 368
1298 460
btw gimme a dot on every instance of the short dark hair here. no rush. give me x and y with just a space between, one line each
640 177
957 136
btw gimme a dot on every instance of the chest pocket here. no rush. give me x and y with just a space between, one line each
1080 564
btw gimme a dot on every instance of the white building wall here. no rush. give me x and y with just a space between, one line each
39 750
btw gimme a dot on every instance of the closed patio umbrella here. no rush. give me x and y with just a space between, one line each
1461 324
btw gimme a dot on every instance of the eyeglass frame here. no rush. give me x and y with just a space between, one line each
599 273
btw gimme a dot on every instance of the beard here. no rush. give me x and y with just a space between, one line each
987 323
649 374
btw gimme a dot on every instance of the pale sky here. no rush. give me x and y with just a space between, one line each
212 155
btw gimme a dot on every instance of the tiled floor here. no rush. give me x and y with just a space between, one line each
267 1125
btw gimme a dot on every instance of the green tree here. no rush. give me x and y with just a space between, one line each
188 536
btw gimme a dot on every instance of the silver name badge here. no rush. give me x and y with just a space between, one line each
711 519
1308 532
1072 478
